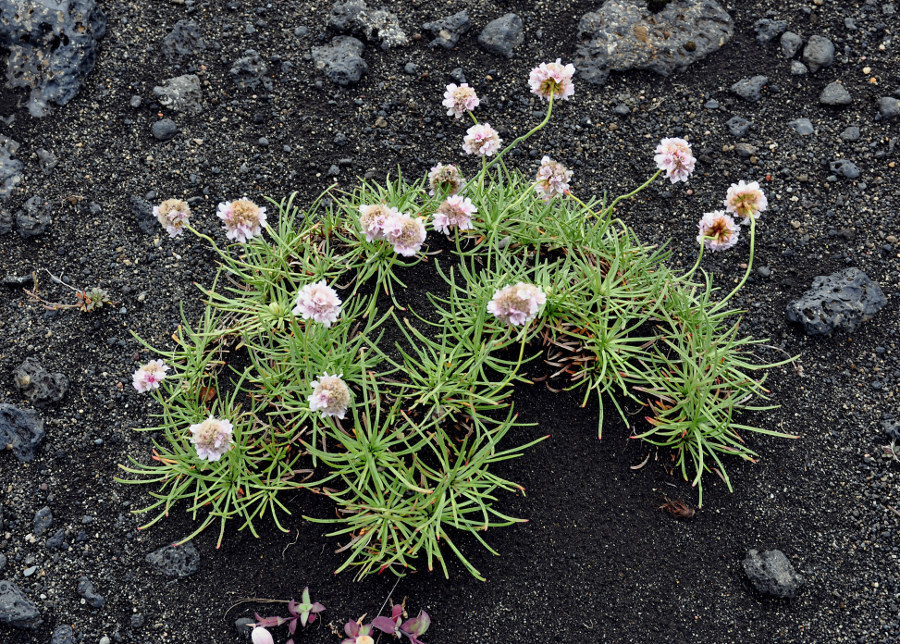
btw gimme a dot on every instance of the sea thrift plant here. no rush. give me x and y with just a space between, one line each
318 302
460 99
517 304
243 219
718 231
445 179
406 233
149 376
212 438
746 200
330 396
552 80
372 218
674 156
454 212
552 179
481 140
172 214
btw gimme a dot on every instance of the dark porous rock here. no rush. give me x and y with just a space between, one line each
851 133
376 25
143 214
35 219
767 29
63 635
15 608
137 620
790 44
502 35
750 89
176 561
86 590
52 47
47 160
818 53
835 94
803 127
249 71
56 541
10 168
164 130
40 386
6 225
342 60
888 108
798 68
891 427
842 301
738 126
624 34
447 31
2 560
345 16
772 574
181 94
244 626
845 168
184 40
21 430
43 519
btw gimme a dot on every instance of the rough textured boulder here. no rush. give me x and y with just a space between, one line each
15 608
175 561
342 60
842 301
772 574
20 429
40 386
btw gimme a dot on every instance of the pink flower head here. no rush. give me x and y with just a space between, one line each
243 219
330 394
455 211
149 376
460 99
674 156
318 302
746 200
406 233
482 140
172 214
372 219
259 635
718 231
552 79
445 179
517 304
552 179
212 438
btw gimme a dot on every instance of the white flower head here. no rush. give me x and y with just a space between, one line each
172 214
552 179
718 231
318 302
746 200
406 233
149 376
460 99
330 395
517 304
675 157
212 438
482 140
552 79
243 219
454 212
372 218
445 179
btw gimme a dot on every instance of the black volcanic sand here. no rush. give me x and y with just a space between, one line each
597 562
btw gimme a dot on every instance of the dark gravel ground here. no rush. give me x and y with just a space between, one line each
597 562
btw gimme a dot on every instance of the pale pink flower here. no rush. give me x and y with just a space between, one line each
675 157
243 219
149 375
552 179
372 219
445 179
259 635
406 233
482 140
517 304
212 438
746 200
318 302
552 79
460 99
718 231
455 211
330 395
172 214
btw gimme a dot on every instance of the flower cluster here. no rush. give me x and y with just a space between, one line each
746 200
455 212
243 219
372 219
318 302
172 214
444 179
675 157
552 80
381 223
718 231
460 99
330 395
149 376
517 304
482 140
552 179
212 438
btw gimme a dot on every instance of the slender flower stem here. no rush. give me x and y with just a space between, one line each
474 118
747 272
581 203
608 210
690 273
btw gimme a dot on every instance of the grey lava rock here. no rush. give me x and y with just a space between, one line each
164 130
10 168
181 93
176 561
40 386
845 168
143 213
448 31
803 127
790 44
47 160
34 219
43 519
378 25
851 133
16 609
818 53
750 89
624 35
22 430
56 541
342 60
767 29
842 301
798 68
835 94
63 635
891 427
772 574
738 126
184 40
249 71
52 47
243 626
888 107
502 35
86 590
